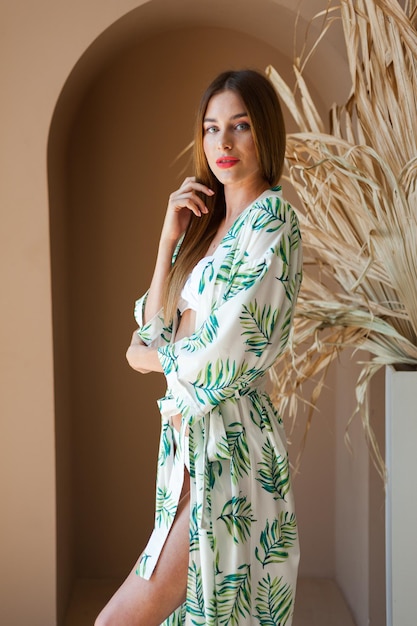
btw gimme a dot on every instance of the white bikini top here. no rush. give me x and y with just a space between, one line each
190 292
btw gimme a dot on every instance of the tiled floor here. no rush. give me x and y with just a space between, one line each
319 603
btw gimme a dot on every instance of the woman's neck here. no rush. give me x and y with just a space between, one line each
238 198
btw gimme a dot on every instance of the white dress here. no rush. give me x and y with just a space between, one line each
244 549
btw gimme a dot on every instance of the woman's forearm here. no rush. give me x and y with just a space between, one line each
142 358
155 295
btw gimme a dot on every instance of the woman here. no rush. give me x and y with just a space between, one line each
224 549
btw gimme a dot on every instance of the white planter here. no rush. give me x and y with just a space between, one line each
401 498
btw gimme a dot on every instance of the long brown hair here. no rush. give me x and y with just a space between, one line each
268 130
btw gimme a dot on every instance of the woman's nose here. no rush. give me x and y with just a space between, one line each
224 140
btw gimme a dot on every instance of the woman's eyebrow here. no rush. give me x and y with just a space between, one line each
234 117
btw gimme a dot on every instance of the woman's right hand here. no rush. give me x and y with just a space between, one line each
182 203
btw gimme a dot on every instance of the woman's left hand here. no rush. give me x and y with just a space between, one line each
142 358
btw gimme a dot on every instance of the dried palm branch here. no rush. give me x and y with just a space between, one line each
357 183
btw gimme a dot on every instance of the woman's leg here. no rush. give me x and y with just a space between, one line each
140 602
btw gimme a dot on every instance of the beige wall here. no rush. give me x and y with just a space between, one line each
66 520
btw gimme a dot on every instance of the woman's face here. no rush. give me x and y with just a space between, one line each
228 142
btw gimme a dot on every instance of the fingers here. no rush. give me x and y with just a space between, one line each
190 183
188 200
187 196
183 203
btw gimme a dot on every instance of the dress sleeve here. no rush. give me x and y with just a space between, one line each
248 330
155 332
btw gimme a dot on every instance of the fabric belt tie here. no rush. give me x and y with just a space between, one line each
217 446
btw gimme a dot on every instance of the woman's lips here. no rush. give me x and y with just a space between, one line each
226 162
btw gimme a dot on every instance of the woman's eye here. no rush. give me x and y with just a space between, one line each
243 126
210 129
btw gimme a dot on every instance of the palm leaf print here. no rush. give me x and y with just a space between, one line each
210 479
223 275
260 415
290 283
206 276
233 232
204 336
268 401
293 286
212 470
140 571
216 377
274 602
283 279
244 279
274 472
288 523
295 232
222 451
168 359
233 597
194 521
165 445
238 448
177 248
145 332
256 419
276 539
165 507
237 515
216 552
264 409
269 212
183 408
285 249
285 330
259 325
195 598
177 618
193 458
166 333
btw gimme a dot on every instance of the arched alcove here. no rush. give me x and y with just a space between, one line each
124 114
110 174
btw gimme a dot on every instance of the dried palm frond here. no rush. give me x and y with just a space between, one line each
357 183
